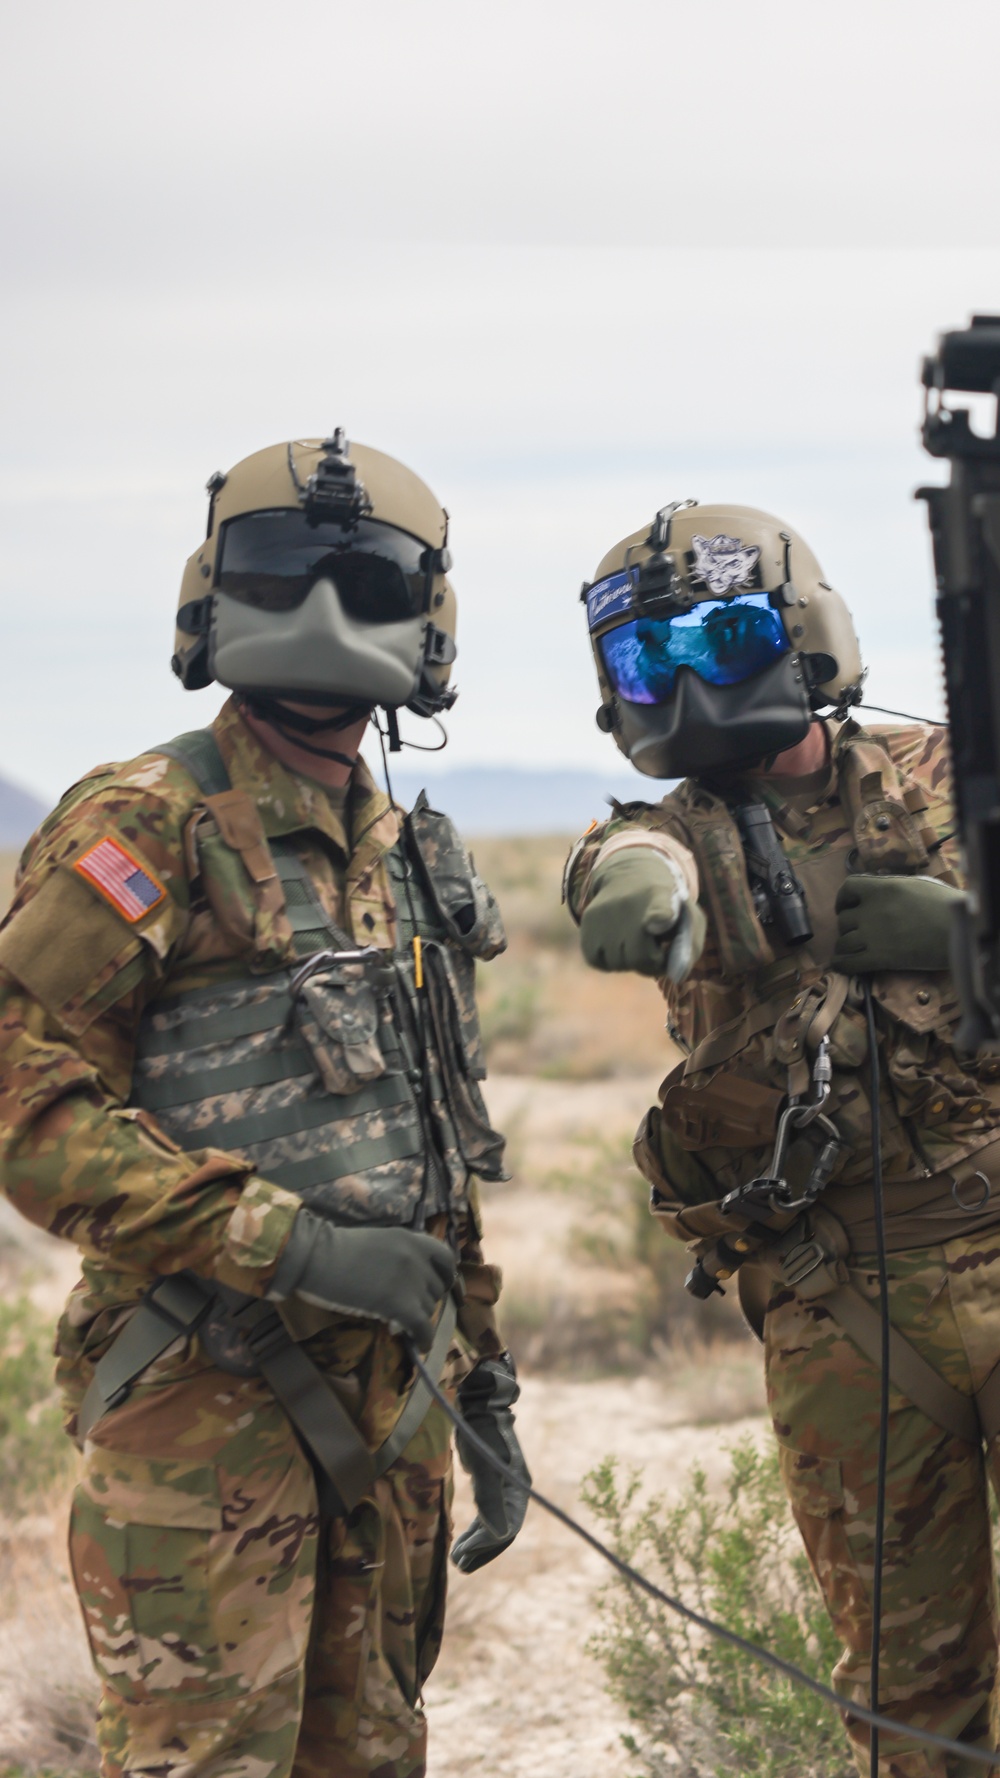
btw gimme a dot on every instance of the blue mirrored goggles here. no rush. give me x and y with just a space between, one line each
724 641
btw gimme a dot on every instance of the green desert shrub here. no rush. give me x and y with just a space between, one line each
697 1705
33 1448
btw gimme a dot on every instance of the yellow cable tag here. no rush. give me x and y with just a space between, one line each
418 960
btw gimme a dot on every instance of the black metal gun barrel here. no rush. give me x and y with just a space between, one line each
964 518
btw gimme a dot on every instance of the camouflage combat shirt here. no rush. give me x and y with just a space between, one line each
82 960
749 1015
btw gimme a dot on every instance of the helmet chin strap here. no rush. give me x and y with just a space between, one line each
294 725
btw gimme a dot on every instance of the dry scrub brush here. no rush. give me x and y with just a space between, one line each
47 1691
698 1706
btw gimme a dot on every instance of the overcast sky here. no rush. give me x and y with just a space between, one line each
569 261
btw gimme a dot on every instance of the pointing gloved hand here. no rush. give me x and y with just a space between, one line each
639 916
391 1275
893 923
485 1400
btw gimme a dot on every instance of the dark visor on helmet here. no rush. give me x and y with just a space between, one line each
724 641
271 560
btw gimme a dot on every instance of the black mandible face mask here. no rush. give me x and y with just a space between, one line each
704 728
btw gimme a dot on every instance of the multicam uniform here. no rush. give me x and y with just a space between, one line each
238 1622
750 1017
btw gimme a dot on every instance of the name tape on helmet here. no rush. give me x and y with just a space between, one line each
611 597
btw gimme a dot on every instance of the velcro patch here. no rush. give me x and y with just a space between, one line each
128 885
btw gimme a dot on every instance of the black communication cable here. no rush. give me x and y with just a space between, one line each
764 1656
908 716
883 1405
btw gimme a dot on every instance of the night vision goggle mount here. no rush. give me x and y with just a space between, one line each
658 592
333 492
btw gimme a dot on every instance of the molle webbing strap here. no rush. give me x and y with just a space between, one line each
408 887
908 1372
727 1040
234 811
988 1404
714 839
809 1259
265 1069
312 927
173 1310
198 752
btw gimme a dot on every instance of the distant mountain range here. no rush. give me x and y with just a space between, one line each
20 813
480 799
518 799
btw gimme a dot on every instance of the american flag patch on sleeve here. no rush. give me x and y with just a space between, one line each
131 889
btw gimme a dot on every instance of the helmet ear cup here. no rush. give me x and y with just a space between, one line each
434 693
190 660
192 666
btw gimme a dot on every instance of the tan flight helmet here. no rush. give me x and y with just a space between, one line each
716 638
323 580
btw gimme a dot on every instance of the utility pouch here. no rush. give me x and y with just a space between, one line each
724 1112
463 902
676 1174
883 806
337 1014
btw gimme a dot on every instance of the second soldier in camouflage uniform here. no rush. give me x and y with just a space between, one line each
240 1071
716 638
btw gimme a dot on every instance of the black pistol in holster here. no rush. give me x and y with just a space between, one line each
964 519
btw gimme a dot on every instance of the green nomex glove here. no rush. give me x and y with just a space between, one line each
486 1398
639 917
391 1275
893 923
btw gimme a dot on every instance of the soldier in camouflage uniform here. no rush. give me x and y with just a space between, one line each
241 1071
717 640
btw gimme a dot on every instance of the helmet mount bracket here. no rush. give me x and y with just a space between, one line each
659 531
333 492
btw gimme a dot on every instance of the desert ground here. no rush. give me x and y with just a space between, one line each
614 1358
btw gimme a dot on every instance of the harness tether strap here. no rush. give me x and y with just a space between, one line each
812 1265
176 1307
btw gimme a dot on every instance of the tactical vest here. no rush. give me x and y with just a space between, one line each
350 1077
754 1015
